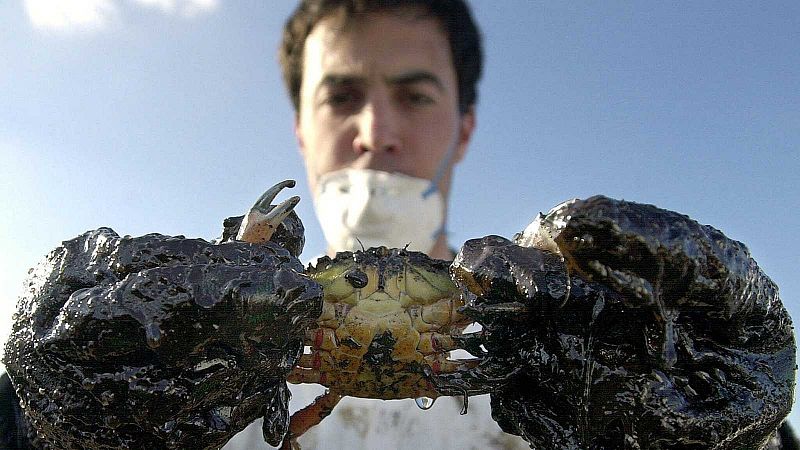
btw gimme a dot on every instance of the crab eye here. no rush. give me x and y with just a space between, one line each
356 278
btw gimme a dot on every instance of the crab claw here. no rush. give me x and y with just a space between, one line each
263 219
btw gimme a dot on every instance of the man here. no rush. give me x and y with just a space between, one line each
384 96
380 99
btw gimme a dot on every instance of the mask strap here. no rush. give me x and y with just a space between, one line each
440 171
434 186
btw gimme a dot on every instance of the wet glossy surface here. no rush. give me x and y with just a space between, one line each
610 325
652 332
159 341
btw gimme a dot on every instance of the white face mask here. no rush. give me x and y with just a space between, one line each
378 208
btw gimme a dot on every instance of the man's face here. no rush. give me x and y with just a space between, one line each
380 94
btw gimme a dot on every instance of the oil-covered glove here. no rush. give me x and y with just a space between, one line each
610 324
158 341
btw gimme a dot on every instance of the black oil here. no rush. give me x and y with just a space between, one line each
646 331
649 331
159 341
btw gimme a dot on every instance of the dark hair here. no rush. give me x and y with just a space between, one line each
454 16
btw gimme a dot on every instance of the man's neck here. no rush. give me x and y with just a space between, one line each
441 250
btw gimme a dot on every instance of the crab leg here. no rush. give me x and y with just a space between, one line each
514 310
313 368
458 376
429 342
305 373
437 343
308 417
440 363
263 219
475 380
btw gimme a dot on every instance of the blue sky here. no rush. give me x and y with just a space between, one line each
169 115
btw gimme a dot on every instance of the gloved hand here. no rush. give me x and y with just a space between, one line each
159 341
610 324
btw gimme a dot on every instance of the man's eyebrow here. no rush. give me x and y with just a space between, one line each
417 76
334 80
338 80
406 78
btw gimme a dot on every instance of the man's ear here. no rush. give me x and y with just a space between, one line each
466 127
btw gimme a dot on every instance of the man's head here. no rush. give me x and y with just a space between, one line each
382 85
453 16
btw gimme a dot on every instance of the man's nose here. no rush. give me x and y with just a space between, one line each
377 128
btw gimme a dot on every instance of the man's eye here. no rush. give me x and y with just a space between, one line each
419 99
336 99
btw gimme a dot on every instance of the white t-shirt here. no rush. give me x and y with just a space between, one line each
358 423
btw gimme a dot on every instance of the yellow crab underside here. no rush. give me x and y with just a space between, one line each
387 313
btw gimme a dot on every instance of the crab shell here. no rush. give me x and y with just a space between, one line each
387 314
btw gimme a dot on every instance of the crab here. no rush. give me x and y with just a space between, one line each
607 324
